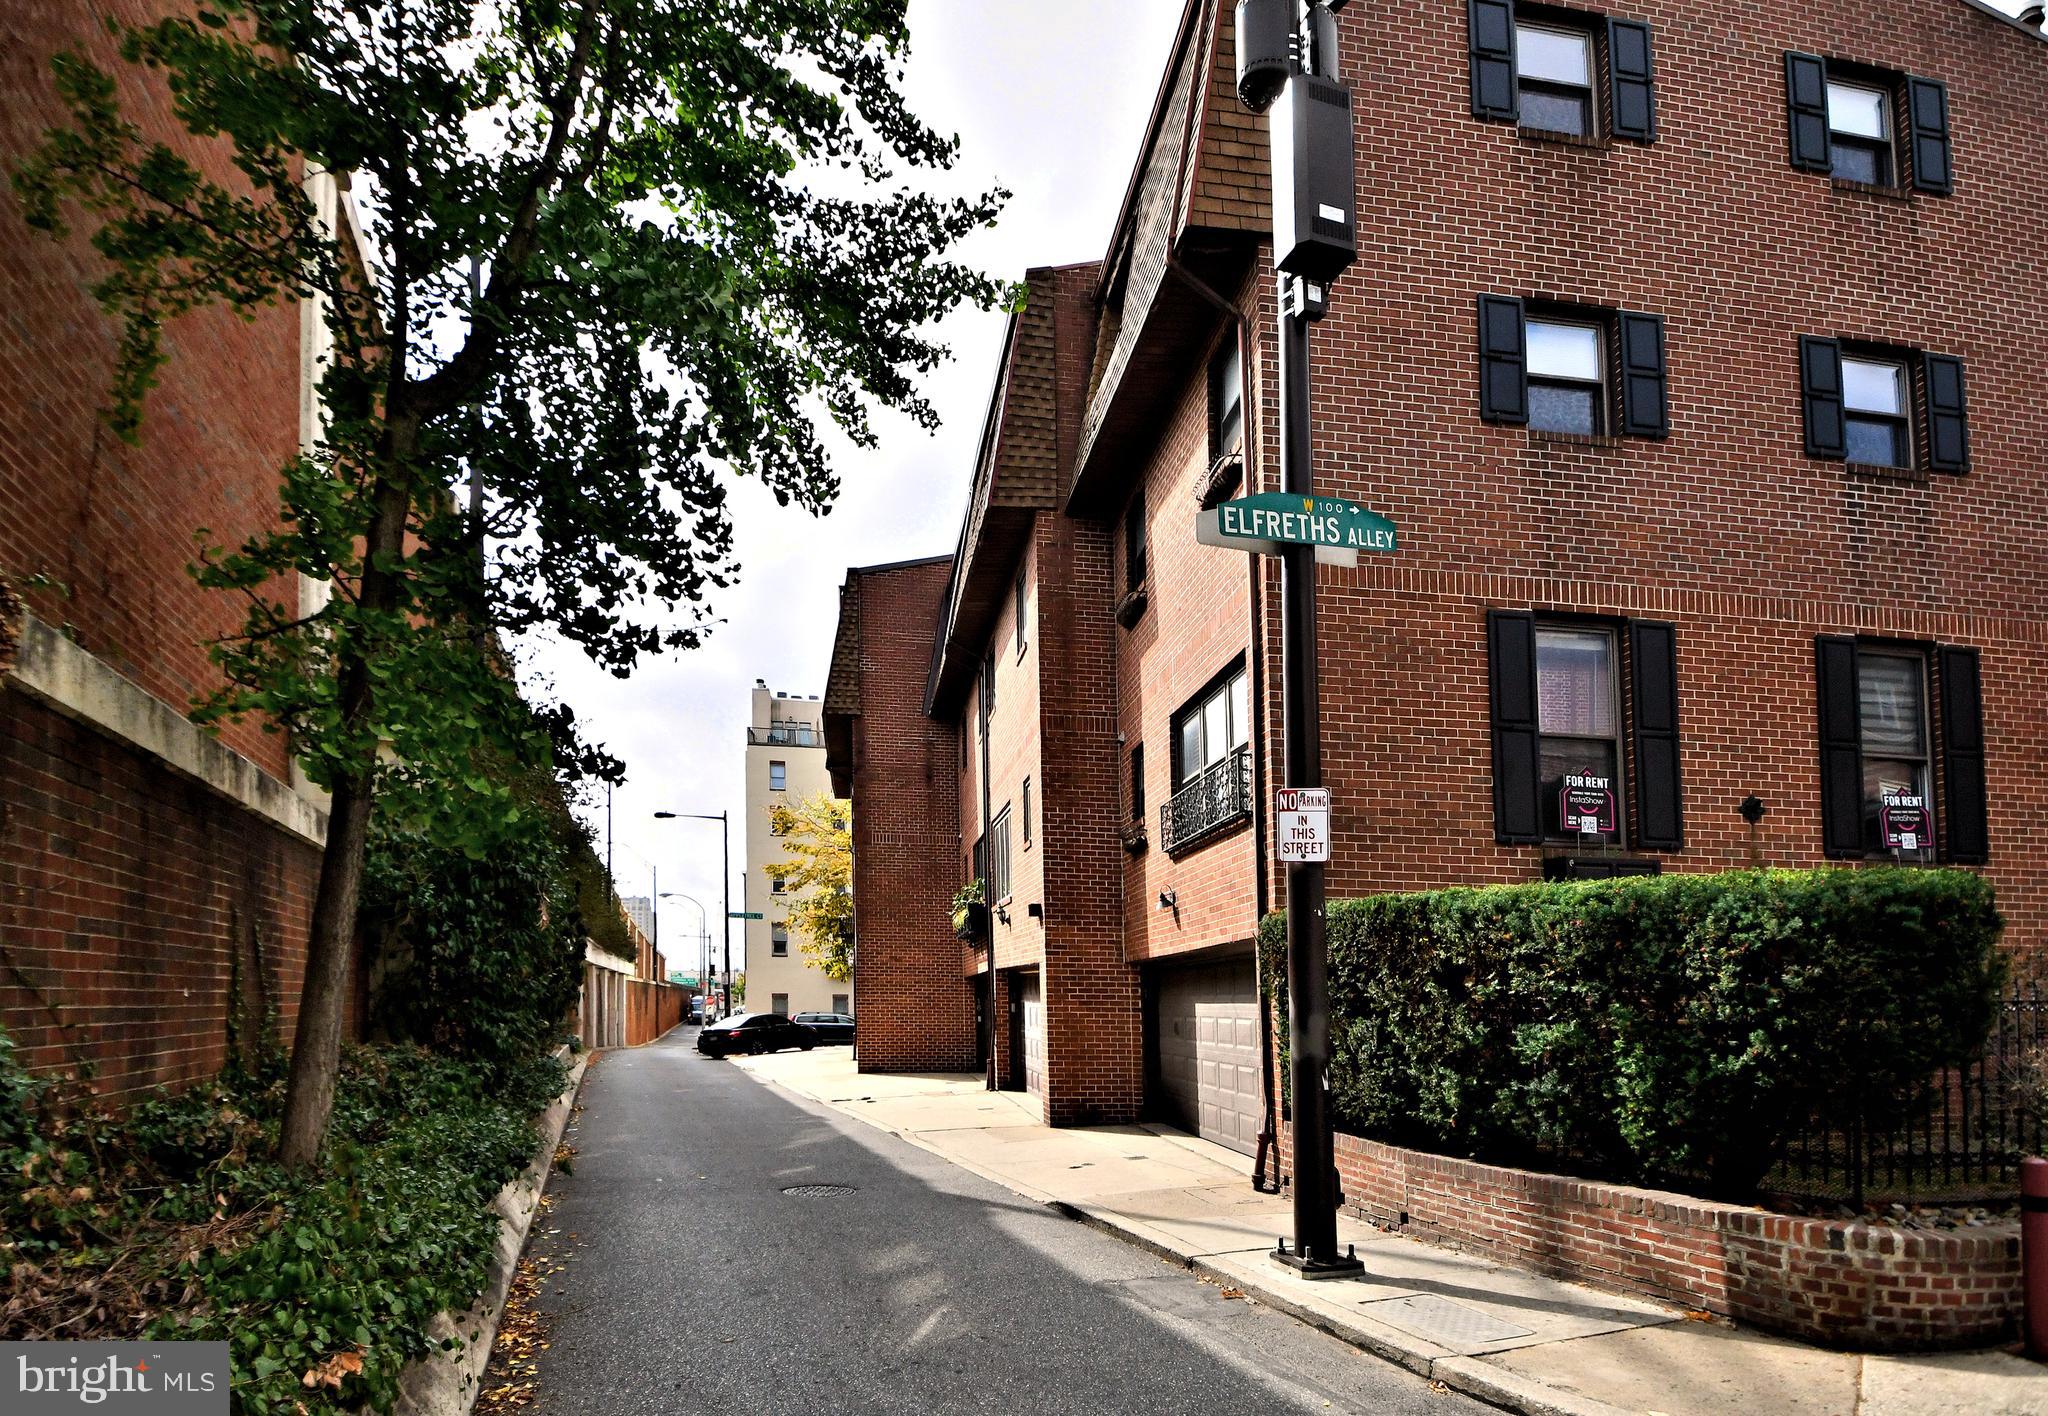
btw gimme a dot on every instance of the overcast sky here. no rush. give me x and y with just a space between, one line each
1049 98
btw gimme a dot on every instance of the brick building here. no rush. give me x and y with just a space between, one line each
154 881
1694 351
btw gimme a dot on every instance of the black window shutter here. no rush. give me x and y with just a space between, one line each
1967 831
1631 82
1933 167
1841 746
1517 759
1820 391
1806 109
1645 407
1948 425
1503 361
1492 29
1653 681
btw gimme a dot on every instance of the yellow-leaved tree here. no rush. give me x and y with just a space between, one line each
817 879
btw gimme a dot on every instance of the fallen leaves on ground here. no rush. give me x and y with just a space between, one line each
1233 1293
511 1379
331 1372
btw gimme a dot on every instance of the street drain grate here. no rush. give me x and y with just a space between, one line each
818 1192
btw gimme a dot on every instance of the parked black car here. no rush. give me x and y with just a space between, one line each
830 1027
753 1033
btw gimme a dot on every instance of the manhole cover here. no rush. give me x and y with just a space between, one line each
818 1192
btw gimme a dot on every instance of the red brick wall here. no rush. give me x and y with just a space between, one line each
916 1012
652 1009
1838 1282
132 903
1726 528
114 523
1197 620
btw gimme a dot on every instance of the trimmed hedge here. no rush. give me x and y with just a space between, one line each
1670 1029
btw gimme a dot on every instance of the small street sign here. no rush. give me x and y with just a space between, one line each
1262 524
737 914
1301 823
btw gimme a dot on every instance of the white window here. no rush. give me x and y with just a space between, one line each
1566 383
778 941
1578 706
1555 71
778 776
1876 423
1860 132
1891 703
1210 729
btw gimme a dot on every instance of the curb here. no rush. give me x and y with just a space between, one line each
444 1382
1497 1386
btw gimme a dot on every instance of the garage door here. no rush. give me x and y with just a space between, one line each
1208 1049
1034 1034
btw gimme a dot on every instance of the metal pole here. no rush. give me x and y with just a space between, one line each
725 834
1308 986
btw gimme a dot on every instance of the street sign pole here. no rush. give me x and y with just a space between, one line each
1314 207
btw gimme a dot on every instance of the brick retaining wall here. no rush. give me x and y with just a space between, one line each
1841 1283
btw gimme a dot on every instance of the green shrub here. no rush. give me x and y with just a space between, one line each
1671 1029
172 1222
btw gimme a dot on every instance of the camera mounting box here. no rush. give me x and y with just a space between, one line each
1315 181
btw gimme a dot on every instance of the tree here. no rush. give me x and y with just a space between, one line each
819 835
607 277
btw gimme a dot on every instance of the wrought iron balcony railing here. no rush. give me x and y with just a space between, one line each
1215 801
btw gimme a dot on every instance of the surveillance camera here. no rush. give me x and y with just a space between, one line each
1265 44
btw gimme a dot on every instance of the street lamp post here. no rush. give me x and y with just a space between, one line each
724 876
703 926
1288 63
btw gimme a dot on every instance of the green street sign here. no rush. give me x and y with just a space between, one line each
735 914
1273 519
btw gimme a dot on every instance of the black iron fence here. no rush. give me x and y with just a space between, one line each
1966 1145
1221 796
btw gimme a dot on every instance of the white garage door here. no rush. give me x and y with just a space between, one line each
1208 1023
1034 1034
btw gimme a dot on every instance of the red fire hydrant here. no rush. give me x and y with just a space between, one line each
2034 1252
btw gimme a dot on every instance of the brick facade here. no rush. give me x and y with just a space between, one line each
901 765
1724 529
140 909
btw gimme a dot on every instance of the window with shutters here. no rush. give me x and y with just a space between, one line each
1868 127
1134 541
1138 782
1578 713
1561 72
1577 371
1557 689
1021 608
1882 406
1899 723
1024 810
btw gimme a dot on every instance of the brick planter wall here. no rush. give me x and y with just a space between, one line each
1841 1283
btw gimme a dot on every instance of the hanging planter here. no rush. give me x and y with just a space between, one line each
970 914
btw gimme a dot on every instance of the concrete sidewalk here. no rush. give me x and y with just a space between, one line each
1516 1339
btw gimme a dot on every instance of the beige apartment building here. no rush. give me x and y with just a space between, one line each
785 763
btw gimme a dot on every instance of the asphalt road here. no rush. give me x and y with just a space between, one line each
692 1281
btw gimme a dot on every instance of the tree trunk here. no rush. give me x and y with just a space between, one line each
316 1042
